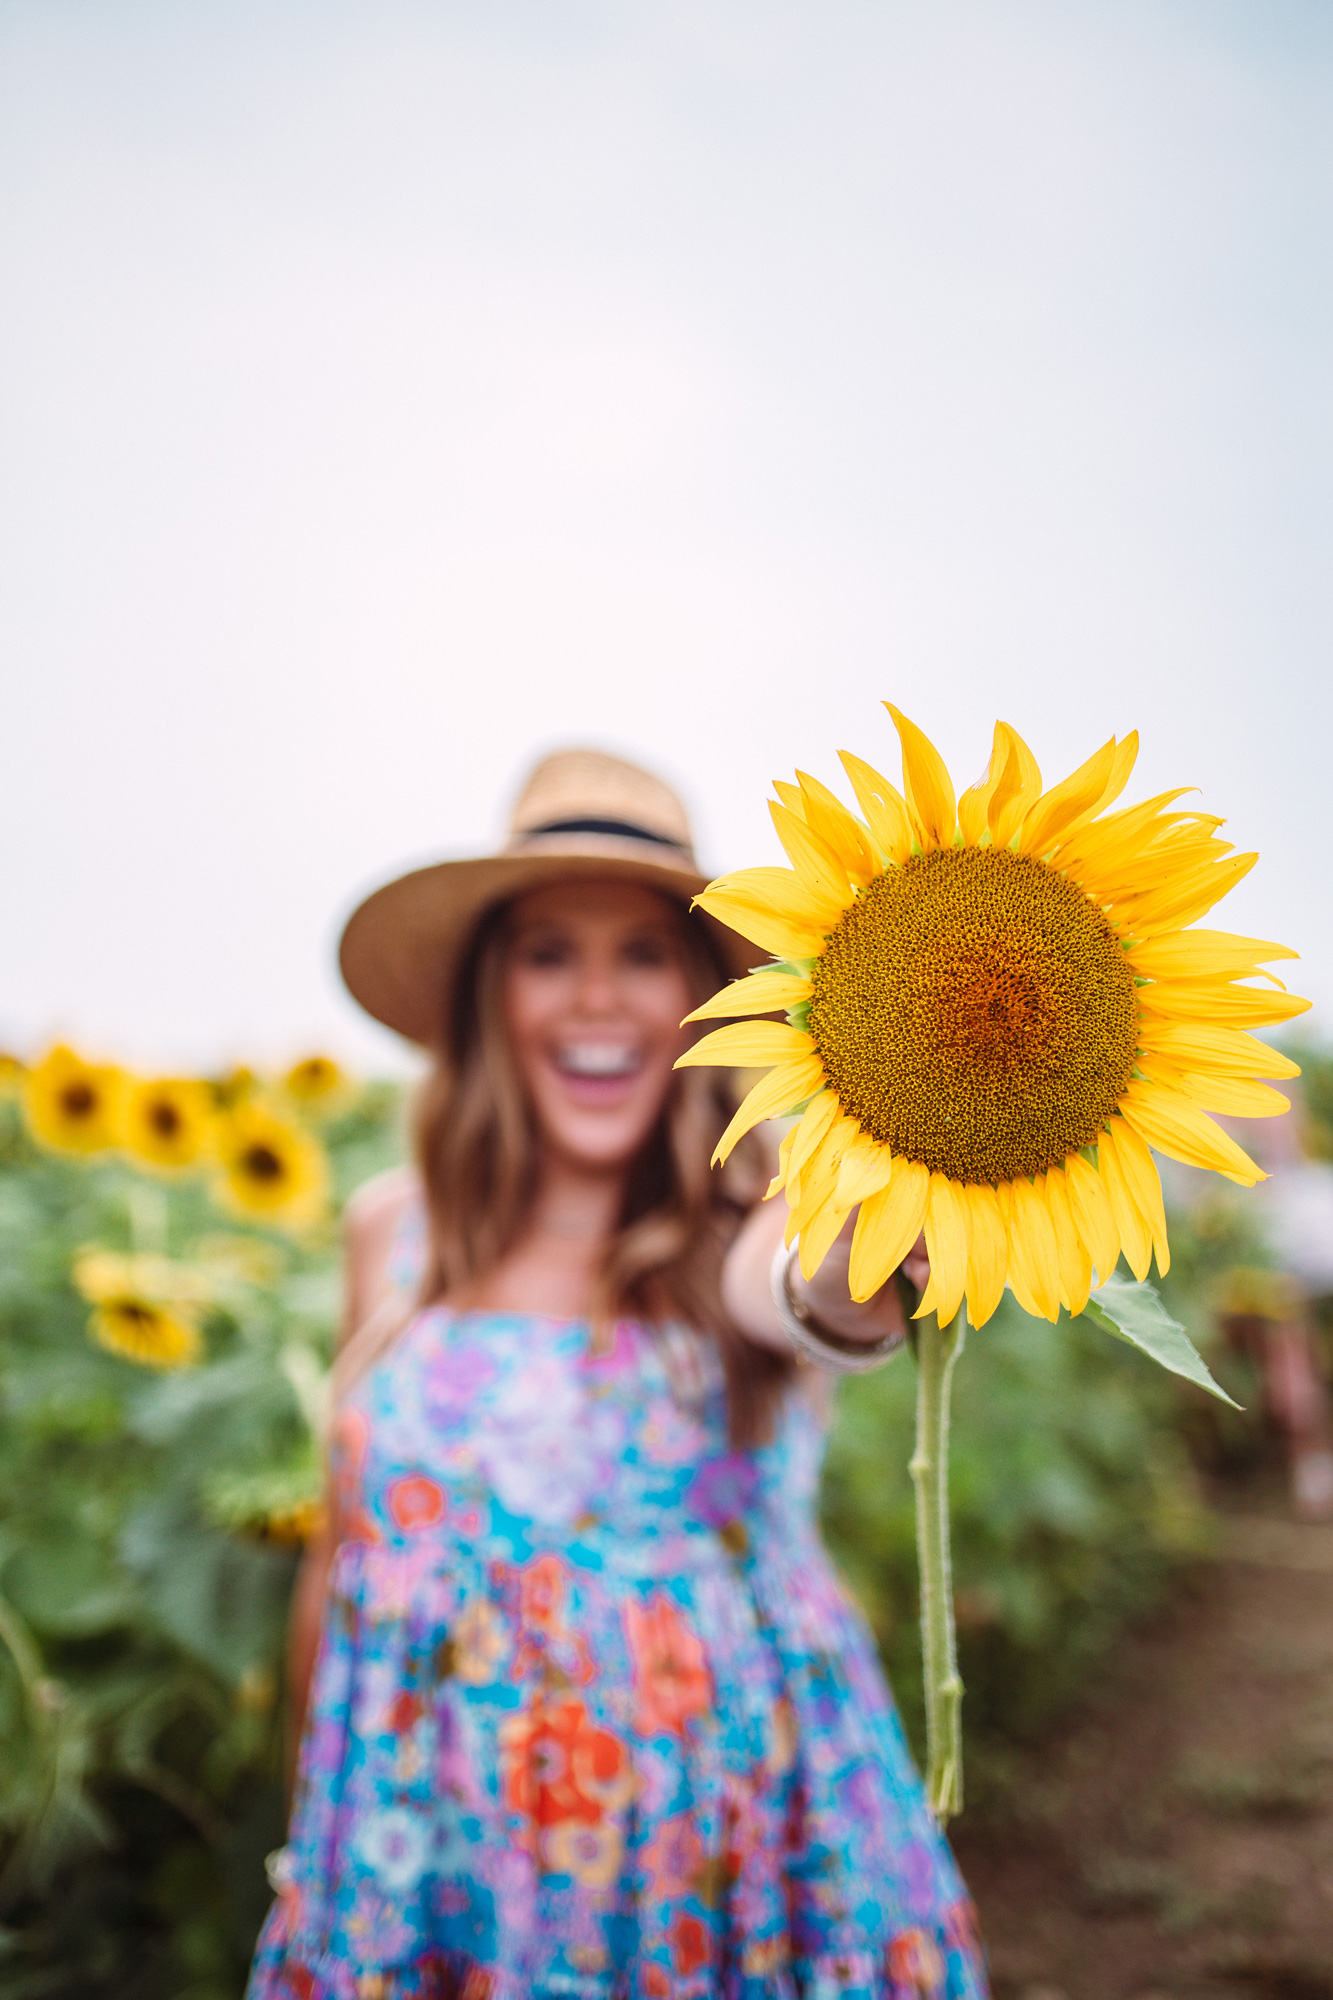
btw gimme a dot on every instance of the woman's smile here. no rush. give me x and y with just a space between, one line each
596 1070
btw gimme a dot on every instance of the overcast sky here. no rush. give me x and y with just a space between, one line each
391 391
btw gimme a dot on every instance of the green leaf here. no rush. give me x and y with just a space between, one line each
1133 1312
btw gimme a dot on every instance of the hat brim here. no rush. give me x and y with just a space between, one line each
401 948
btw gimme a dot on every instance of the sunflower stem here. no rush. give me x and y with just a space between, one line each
937 1349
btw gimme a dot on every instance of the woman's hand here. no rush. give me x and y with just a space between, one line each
830 1302
748 1298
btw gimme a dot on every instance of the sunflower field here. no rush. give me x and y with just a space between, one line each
168 1294
168 1298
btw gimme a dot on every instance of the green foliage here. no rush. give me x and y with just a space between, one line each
1135 1314
1071 1495
142 1594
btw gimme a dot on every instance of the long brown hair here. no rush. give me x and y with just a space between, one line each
477 1151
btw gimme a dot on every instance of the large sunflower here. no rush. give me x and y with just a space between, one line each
994 1010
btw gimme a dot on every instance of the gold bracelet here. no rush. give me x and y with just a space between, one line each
831 1351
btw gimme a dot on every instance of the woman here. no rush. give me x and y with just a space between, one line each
584 1709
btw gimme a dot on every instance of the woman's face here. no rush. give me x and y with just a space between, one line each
595 984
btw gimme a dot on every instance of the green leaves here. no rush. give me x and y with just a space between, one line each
1134 1313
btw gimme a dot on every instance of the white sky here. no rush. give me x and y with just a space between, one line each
390 391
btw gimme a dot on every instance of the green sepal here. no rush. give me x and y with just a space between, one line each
1134 1313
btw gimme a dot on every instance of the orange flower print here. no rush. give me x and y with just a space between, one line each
671 1678
765 1957
405 1711
960 1926
480 1643
673 1857
546 1645
784 1739
656 1983
541 1593
415 1502
690 1944
591 1854
558 1764
916 1967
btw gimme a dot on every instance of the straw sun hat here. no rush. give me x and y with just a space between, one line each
581 813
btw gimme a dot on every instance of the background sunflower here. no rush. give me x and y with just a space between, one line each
168 1122
271 1169
74 1106
319 1087
141 1329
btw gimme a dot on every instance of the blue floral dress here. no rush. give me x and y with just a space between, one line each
592 1715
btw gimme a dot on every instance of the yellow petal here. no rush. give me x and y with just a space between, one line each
1238 1006
1070 1249
772 1097
1093 1215
1135 1235
819 1234
764 992
1068 804
1018 788
1033 1229
987 1253
884 807
819 1175
1202 955
947 1246
813 859
772 906
866 1168
1111 843
1171 909
1126 756
826 815
1227 1050
816 1119
1145 1184
926 784
887 1227
779 1179
747 1045
974 804
1021 1280
1233 1096
1178 1128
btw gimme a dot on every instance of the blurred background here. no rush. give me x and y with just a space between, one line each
391 392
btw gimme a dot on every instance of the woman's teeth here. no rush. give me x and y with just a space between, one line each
598 1059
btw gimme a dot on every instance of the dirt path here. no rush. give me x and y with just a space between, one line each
1179 1839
